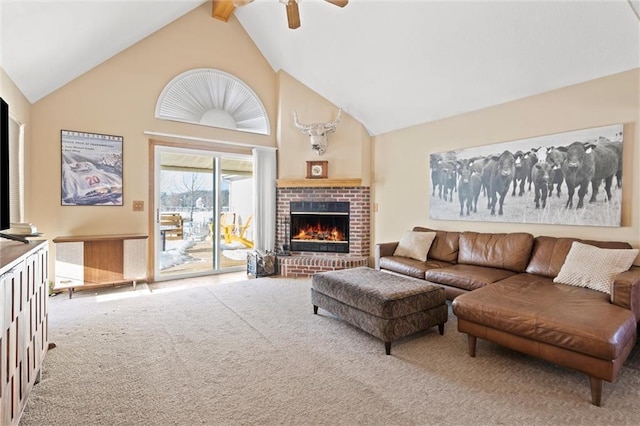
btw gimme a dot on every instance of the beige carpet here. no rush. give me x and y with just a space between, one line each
252 352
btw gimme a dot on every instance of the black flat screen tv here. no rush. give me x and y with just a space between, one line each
5 176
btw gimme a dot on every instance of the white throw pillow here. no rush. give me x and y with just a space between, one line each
594 267
415 244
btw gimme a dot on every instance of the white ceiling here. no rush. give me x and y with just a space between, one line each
390 64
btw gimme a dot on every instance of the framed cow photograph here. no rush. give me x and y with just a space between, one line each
571 178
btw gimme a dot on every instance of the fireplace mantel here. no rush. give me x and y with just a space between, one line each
318 183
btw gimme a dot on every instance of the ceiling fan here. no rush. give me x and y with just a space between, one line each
222 9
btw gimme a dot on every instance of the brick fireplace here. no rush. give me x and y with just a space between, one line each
324 194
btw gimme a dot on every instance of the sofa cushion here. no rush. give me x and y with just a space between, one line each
467 277
410 267
549 253
594 267
506 251
414 245
534 307
444 247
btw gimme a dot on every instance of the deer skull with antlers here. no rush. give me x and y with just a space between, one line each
318 132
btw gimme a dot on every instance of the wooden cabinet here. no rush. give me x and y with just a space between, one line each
100 260
24 323
104 261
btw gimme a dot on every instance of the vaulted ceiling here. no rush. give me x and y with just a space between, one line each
390 64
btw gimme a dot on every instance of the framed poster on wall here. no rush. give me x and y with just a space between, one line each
91 169
570 178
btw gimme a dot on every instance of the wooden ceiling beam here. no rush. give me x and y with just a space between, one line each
222 9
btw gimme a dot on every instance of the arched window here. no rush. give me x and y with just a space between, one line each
212 98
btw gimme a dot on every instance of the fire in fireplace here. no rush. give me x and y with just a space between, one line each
319 232
319 226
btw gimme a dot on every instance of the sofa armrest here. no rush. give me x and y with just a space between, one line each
384 249
625 291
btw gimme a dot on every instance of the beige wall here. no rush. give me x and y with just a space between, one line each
119 97
401 158
349 151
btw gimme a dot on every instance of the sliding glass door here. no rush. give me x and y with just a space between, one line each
204 212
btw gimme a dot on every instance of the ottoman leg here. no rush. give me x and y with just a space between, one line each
315 309
441 329
387 347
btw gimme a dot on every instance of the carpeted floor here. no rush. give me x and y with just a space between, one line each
252 352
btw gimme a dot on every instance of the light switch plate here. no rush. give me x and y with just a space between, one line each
138 206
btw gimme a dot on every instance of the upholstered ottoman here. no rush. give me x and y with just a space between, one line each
384 305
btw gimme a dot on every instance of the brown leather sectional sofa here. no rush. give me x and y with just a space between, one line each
503 291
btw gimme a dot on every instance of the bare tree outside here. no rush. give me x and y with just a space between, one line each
193 185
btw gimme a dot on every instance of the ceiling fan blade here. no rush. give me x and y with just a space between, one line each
339 3
222 9
293 15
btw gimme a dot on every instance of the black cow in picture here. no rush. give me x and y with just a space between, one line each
540 176
555 159
498 175
588 163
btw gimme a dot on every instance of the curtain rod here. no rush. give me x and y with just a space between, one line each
197 139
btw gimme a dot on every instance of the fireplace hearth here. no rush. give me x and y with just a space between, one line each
317 226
